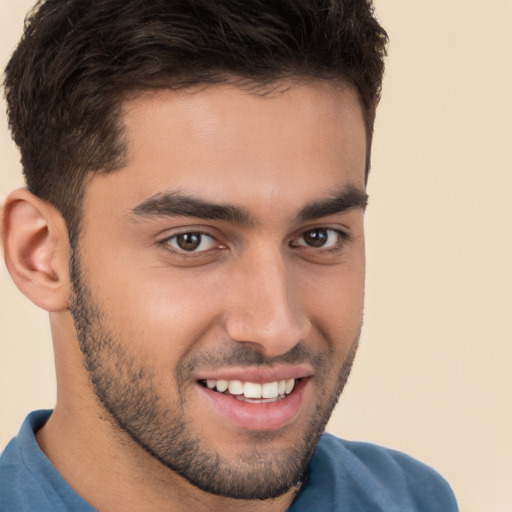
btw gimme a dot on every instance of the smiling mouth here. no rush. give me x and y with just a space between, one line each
252 392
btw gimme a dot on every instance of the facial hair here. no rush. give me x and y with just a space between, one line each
125 385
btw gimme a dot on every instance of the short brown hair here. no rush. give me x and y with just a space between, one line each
78 59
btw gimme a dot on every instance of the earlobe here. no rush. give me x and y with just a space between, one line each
36 249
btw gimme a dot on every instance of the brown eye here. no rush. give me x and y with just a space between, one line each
191 242
320 238
316 237
188 241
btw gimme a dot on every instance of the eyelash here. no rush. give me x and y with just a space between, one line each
166 243
343 237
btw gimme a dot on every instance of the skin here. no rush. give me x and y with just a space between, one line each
255 294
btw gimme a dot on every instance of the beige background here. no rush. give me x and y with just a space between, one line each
434 373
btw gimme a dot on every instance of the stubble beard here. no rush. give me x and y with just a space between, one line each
126 389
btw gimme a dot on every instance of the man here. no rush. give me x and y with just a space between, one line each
193 223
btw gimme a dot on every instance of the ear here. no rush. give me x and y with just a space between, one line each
36 249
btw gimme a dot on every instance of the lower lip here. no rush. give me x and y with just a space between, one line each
251 416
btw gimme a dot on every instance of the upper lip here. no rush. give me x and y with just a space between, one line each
257 374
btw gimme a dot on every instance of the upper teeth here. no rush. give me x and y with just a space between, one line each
253 389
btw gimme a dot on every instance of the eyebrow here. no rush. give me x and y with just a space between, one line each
346 199
178 204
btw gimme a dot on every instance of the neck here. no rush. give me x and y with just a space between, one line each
113 474
104 465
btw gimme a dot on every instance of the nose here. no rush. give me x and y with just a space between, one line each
266 305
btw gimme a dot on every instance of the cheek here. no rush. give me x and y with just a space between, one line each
335 303
157 310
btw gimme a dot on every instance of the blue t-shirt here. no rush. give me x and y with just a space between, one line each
342 476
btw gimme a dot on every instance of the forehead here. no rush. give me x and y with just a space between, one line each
227 144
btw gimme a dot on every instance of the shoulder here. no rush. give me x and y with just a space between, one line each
366 477
19 490
28 481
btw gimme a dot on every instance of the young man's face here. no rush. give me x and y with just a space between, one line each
228 253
